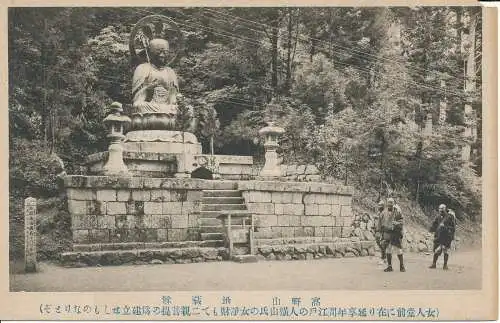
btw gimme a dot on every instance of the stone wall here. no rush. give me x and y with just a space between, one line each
300 173
116 210
313 248
136 209
294 209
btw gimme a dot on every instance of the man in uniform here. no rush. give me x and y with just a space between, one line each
379 234
443 227
391 226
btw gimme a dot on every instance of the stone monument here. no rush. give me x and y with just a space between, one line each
155 91
132 207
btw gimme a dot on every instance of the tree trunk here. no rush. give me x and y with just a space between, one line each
211 145
274 53
289 53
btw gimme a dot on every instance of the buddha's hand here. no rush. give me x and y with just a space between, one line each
151 85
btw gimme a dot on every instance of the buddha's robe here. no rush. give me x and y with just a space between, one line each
162 98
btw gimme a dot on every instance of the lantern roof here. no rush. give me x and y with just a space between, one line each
271 128
115 115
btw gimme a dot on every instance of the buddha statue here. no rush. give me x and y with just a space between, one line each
154 90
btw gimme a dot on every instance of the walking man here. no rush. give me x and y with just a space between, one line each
391 224
443 227
379 235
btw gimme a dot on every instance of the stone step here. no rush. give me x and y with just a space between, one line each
215 214
221 193
146 245
223 200
212 229
223 207
143 256
245 258
214 222
212 236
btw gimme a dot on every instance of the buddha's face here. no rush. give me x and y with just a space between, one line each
159 51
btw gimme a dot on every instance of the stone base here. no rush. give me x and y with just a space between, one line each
162 141
143 256
145 164
311 248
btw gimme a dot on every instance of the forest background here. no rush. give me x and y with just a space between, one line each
387 100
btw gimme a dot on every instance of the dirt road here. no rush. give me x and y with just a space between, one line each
325 274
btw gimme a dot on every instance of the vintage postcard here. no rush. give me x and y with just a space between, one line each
249 161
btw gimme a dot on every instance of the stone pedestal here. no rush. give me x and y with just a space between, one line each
271 167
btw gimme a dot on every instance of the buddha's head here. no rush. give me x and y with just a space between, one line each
158 51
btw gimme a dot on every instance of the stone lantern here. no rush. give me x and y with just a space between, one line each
115 122
271 133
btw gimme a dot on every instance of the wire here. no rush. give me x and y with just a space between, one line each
442 90
324 42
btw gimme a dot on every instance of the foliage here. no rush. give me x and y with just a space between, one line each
351 87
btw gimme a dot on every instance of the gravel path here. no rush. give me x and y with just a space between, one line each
325 274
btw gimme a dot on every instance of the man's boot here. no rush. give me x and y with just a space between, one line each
389 263
435 259
445 265
401 263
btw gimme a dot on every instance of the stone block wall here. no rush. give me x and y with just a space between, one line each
300 173
296 210
135 209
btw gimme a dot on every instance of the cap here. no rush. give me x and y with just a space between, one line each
390 200
381 203
442 206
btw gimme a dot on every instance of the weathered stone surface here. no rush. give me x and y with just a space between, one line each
194 195
80 194
116 208
311 209
77 207
99 235
177 234
277 197
162 234
161 195
335 210
81 236
153 208
83 221
123 195
346 232
279 208
293 209
309 231
319 231
324 209
172 208
346 221
106 222
309 199
266 220
141 195
261 208
179 221
106 195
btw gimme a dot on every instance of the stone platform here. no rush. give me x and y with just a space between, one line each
165 165
134 215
